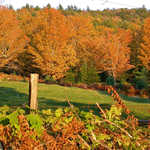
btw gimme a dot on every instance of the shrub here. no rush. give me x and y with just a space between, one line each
131 91
122 80
69 84
144 93
93 76
128 89
84 73
49 79
110 80
88 74
81 85
97 86
69 77
12 77
141 84
141 78
70 128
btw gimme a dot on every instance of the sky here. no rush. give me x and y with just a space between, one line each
93 4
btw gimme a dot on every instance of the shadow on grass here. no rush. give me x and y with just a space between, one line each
11 97
54 104
135 99
130 99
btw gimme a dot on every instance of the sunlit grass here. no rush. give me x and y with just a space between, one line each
54 96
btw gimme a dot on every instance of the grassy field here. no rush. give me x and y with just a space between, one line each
54 96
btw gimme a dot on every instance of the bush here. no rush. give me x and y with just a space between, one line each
69 77
141 78
110 80
131 91
144 93
122 80
97 86
84 73
81 85
93 76
12 77
49 79
88 74
69 84
141 84
71 128
128 89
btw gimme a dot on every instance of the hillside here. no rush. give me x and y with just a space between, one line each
54 96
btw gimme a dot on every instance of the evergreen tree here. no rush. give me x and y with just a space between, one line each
48 6
37 8
88 73
93 76
60 7
69 77
84 73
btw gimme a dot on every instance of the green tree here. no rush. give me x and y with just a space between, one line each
141 78
93 76
84 73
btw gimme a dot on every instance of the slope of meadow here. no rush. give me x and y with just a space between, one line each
53 96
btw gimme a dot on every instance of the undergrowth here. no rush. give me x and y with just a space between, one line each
73 129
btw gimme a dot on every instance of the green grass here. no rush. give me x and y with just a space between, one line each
54 96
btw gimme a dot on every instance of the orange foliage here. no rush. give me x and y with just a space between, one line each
112 53
145 46
58 42
12 38
50 46
83 31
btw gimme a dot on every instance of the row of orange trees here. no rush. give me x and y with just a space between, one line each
49 42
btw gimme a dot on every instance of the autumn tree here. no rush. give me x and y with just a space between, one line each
112 53
12 38
144 55
83 30
137 35
25 60
49 32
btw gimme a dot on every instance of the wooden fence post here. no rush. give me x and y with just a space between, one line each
33 88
